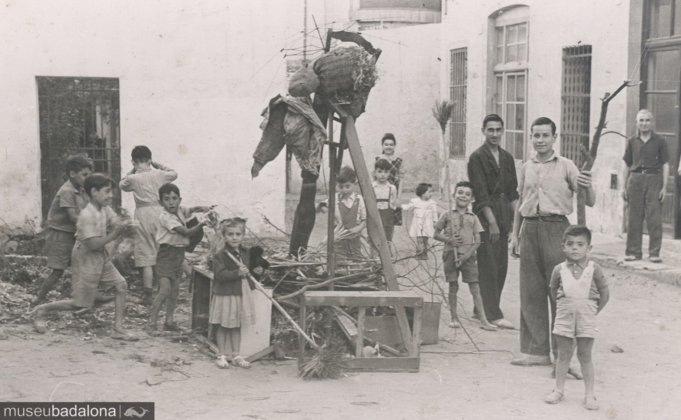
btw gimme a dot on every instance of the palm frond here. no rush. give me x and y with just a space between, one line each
442 111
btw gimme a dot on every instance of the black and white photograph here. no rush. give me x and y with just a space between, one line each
340 209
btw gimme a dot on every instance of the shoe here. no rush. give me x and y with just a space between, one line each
454 324
503 323
531 360
489 327
554 397
655 260
241 362
590 403
222 362
631 258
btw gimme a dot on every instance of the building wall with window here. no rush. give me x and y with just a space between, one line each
192 80
515 67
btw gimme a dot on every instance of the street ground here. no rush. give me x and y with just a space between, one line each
456 379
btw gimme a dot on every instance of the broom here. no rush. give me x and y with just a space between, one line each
328 359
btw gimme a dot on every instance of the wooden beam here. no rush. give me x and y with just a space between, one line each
374 224
383 364
362 298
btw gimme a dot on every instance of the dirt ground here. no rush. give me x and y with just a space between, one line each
456 381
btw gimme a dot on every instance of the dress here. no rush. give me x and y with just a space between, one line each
424 218
231 304
144 186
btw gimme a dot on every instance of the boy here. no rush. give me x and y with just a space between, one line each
172 237
61 221
461 237
144 181
91 265
386 196
581 292
351 215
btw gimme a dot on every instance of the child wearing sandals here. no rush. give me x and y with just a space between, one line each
423 219
172 236
232 305
581 292
90 262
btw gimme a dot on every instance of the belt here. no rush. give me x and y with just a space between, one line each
547 218
646 171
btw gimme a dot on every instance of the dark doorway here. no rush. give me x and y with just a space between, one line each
78 115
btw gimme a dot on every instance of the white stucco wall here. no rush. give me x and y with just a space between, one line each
552 25
194 77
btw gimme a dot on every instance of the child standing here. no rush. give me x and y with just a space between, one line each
388 144
580 291
423 219
460 231
232 303
144 181
172 237
61 221
386 196
351 215
91 265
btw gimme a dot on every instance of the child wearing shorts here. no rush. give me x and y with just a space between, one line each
460 231
580 291
91 264
144 181
172 237
386 197
61 221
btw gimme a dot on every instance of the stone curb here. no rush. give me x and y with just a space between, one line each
662 273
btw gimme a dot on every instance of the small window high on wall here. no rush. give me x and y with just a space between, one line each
509 40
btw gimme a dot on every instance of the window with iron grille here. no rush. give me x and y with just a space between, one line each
78 116
457 96
508 83
576 101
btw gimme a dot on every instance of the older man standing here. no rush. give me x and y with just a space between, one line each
491 170
646 171
548 184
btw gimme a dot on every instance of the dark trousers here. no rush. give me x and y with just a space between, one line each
304 217
644 202
540 251
492 267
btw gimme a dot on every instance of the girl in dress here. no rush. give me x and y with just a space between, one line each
232 302
423 219
388 144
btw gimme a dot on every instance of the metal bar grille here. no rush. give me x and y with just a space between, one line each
457 96
576 101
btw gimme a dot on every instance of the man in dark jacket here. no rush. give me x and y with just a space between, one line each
491 170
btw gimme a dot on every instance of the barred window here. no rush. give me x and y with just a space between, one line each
457 95
575 101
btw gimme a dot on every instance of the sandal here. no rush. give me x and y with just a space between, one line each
631 258
241 362
590 403
655 260
455 324
222 362
554 397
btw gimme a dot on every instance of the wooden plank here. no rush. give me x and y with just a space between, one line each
416 343
259 355
359 343
362 299
301 340
331 192
383 364
374 224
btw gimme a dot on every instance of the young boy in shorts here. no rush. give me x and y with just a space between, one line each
61 222
580 291
172 237
460 231
91 264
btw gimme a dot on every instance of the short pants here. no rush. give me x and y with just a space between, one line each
91 269
575 318
468 270
169 262
58 248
